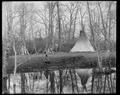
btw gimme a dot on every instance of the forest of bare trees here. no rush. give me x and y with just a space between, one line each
34 27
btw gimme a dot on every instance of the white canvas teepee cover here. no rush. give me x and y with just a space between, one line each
83 44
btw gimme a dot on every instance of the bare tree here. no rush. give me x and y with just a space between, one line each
32 25
51 10
11 38
43 19
23 12
71 9
75 18
82 16
91 27
103 23
8 39
109 20
4 64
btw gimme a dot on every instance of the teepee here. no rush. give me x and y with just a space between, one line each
83 45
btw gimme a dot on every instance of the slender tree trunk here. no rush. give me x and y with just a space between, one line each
61 81
72 80
59 46
103 24
76 80
9 83
75 23
51 8
22 32
22 83
69 35
59 26
4 85
109 16
31 28
92 87
4 73
8 8
52 77
91 27
15 68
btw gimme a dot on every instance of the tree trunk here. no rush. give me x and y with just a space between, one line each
69 35
4 85
9 83
4 48
59 46
103 24
61 81
91 27
52 76
59 26
72 80
50 39
109 12
22 83
75 23
4 73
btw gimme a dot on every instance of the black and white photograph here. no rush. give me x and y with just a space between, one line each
59 47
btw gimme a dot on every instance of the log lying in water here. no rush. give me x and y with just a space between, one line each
34 63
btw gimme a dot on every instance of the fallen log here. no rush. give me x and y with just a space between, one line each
34 63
